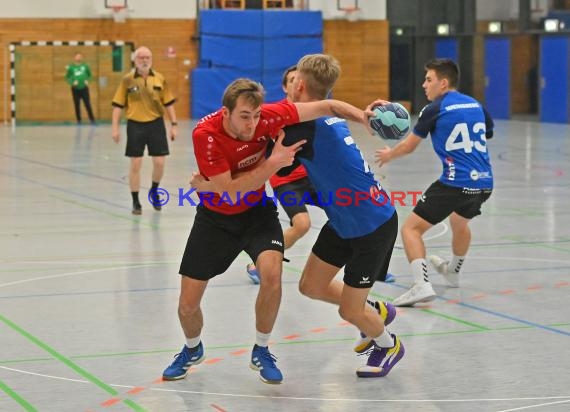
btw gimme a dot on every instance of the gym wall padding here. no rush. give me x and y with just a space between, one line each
255 44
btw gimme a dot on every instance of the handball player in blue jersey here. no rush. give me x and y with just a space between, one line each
459 127
362 226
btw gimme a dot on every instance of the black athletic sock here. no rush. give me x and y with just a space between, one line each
135 196
154 185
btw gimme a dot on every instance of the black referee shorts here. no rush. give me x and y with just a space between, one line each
151 134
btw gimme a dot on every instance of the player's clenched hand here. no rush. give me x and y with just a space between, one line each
116 135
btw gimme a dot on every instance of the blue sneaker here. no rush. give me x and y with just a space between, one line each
253 273
390 278
182 362
263 361
387 312
382 360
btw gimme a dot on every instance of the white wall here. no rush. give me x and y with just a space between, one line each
161 9
94 9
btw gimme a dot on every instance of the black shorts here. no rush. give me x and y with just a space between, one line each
151 134
366 258
440 200
295 195
216 239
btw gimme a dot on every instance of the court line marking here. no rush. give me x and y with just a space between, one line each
62 275
15 396
533 406
564 398
68 362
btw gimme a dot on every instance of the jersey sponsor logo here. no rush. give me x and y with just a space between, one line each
276 242
239 149
349 140
250 160
476 175
334 120
462 106
450 168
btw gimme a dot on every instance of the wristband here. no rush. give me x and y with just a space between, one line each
174 123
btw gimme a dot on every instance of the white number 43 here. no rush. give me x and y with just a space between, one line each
461 139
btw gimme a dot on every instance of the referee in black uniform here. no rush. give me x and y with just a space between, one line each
145 96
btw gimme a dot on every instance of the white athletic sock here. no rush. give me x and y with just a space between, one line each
419 271
191 343
456 263
385 340
262 339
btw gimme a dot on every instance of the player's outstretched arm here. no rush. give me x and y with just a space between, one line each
404 147
313 110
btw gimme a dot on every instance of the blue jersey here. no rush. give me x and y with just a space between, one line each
353 200
459 127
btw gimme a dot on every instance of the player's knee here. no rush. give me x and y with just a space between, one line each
347 314
186 308
301 223
308 288
270 277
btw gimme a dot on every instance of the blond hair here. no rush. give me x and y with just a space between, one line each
320 72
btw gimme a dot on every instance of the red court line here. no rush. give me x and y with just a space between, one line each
210 361
218 408
318 330
479 296
344 324
293 336
454 301
562 284
506 292
136 390
110 402
533 288
239 352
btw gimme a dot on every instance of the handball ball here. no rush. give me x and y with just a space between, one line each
391 122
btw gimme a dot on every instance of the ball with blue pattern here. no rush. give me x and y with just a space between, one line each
390 121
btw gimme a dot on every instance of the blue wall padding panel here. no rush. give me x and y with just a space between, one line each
208 87
498 74
554 72
255 44
292 23
271 81
280 53
244 23
446 49
222 51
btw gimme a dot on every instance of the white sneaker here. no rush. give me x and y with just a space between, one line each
442 267
422 292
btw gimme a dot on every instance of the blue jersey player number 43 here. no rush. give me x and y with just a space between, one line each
459 127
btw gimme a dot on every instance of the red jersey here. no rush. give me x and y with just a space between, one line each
217 152
298 173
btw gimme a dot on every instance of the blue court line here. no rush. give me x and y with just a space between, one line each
69 170
494 313
502 315
64 169
67 191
